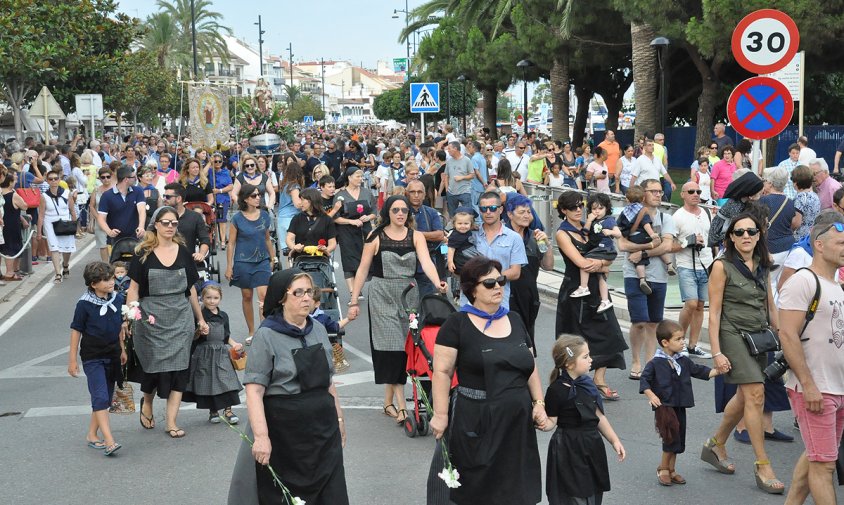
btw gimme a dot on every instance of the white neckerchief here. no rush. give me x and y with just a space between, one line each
662 354
104 304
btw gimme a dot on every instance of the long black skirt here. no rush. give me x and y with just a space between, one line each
307 451
579 316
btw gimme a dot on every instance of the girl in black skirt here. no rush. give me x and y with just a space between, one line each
577 472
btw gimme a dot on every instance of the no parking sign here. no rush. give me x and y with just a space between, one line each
760 108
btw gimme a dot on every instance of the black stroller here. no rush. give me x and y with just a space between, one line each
123 249
321 271
425 323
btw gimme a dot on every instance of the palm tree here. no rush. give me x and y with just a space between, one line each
169 35
644 77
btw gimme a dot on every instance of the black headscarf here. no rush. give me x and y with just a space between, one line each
273 311
747 185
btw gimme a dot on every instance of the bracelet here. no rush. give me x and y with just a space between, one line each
339 419
353 304
717 354
538 402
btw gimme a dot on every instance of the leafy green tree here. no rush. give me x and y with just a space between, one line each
305 105
541 94
138 84
395 104
51 43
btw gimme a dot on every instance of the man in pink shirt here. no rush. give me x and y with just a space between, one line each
825 186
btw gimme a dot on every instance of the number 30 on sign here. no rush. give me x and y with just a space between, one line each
765 41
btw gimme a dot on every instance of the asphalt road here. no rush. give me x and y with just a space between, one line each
45 415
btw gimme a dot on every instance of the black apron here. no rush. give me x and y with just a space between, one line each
305 435
492 441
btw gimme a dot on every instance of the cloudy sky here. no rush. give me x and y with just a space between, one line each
362 31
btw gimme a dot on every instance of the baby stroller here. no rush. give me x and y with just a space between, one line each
123 249
321 271
212 264
424 325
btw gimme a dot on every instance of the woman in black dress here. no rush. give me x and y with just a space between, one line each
579 316
353 217
195 181
491 437
524 293
312 228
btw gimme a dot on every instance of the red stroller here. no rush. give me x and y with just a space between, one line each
419 346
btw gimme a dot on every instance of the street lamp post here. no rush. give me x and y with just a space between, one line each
193 38
260 47
524 64
463 78
406 12
661 44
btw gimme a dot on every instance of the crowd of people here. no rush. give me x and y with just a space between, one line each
438 211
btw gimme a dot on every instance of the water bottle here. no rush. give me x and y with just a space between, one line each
542 245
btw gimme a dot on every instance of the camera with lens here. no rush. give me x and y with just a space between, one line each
691 240
774 371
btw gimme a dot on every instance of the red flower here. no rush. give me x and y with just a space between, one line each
321 242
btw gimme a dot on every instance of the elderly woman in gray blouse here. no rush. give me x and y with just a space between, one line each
294 412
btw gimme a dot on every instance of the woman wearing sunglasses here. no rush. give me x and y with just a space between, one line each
580 316
489 348
294 411
106 179
57 204
740 300
250 174
393 250
252 254
163 275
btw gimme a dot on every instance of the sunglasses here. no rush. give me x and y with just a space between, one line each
52 179
694 191
255 195
839 227
713 147
218 162
490 283
167 197
489 208
299 293
104 177
576 206
399 210
249 165
739 232
170 223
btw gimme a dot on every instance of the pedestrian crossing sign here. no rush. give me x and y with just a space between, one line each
424 97
309 120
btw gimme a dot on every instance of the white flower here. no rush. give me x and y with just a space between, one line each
598 228
450 476
298 501
414 324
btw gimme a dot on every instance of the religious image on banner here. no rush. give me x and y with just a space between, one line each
209 115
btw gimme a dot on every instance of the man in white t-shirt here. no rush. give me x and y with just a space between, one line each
816 357
692 223
807 154
647 166
519 160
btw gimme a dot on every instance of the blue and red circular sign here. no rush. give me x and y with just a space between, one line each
760 108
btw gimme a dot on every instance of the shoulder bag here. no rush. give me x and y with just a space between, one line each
31 196
762 341
62 227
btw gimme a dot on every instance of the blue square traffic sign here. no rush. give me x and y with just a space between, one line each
424 97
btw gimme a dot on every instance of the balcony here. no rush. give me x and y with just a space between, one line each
278 81
224 72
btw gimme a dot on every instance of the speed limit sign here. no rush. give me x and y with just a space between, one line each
765 41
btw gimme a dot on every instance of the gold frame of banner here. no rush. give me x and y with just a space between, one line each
209 115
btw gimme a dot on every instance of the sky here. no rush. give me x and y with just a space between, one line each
359 32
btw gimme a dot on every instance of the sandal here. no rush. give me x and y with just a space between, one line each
663 476
111 449
65 271
770 486
634 376
58 279
99 444
707 454
13 277
676 478
607 393
387 413
176 432
399 419
143 418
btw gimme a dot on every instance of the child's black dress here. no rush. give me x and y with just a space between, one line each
213 382
577 471
464 248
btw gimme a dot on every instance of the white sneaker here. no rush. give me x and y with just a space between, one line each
580 292
697 352
605 305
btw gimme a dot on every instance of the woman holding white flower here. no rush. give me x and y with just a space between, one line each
163 276
491 437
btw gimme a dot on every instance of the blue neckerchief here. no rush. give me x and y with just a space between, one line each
673 360
632 210
805 243
277 323
471 309
585 383
150 188
194 182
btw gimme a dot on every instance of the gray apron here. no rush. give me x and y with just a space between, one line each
388 321
165 345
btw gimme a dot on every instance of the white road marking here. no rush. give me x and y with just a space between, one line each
360 354
34 299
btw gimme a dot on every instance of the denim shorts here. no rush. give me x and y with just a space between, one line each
694 284
645 308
